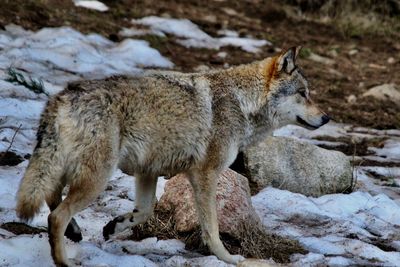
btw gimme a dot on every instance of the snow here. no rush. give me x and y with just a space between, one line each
58 56
190 35
325 225
91 4
84 253
61 55
390 150
179 261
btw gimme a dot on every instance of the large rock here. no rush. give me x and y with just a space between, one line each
385 92
298 166
233 202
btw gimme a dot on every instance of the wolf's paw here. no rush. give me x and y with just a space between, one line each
109 228
73 231
235 259
68 263
121 225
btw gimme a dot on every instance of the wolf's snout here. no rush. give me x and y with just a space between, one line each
325 119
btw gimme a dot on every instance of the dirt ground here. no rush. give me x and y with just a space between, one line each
331 84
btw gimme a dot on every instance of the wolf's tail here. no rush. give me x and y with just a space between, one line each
42 178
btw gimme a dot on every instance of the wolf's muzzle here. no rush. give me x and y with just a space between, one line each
325 119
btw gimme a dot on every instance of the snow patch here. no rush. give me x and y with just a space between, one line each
336 225
91 4
190 35
61 55
85 253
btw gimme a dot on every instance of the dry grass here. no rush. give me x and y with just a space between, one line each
20 228
251 241
355 18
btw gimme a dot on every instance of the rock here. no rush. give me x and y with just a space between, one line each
333 53
230 11
222 54
321 59
391 60
201 68
351 99
352 52
335 72
387 91
233 202
376 66
298 166
211 18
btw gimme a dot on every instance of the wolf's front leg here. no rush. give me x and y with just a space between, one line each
145 201
205 187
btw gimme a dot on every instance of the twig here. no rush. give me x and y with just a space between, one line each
12 139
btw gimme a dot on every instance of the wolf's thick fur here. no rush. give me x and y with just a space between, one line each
160 124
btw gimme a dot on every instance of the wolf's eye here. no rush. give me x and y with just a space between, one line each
302 92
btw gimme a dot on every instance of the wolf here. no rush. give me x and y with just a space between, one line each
158 124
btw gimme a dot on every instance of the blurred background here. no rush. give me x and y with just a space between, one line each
349 46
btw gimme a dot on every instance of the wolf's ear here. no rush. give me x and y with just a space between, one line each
287 60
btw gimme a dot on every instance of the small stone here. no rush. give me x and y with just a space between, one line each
352 52
229 11
321 59
201 68
222 54
351 99
391 60
333 53
210 18
376 66
335 72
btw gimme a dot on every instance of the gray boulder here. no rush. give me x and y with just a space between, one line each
297 166
385 92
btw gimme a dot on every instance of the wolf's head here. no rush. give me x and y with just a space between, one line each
288 94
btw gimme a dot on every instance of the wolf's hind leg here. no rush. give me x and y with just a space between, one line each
73 231
145 202
87 182
205 189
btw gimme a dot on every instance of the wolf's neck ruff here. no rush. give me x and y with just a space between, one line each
250 84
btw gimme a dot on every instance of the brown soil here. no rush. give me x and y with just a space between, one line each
261 19
10 158
355 148
359 148
21 228
252 241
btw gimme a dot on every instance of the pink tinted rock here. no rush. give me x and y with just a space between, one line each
233 202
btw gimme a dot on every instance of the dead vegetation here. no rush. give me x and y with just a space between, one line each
35 85
19 228
354 18
8 157
251 241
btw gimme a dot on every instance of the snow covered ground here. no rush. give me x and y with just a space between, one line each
341 229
